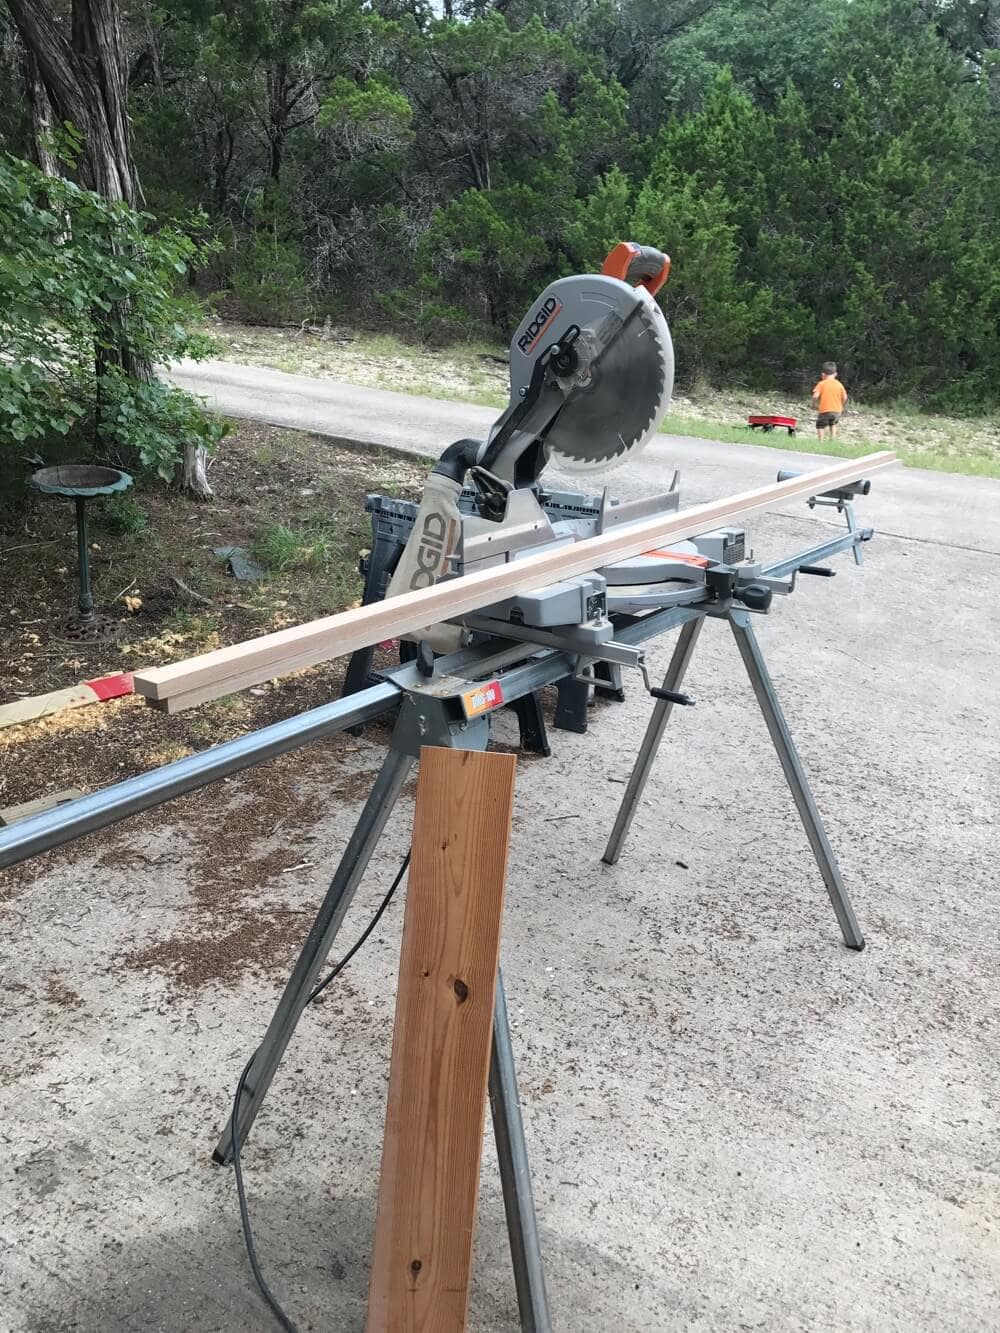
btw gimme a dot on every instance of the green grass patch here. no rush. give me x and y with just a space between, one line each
265 455
966 466
479 397
803 444
282 548
975 464
312 564
123 515
199 630
713 430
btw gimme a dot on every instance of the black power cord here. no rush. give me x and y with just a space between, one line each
241 1195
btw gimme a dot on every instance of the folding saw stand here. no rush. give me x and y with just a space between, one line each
447 702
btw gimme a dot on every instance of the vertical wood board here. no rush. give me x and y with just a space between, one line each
442 1039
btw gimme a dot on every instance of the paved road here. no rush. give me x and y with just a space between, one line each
928 506
734 1123
346 411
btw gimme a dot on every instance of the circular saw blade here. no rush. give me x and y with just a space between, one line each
607 420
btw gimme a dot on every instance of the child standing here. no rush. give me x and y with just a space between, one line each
828 398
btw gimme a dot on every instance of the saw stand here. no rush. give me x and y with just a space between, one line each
421 722
450 707
763 688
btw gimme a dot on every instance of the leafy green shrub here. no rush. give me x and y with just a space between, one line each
87 307
269 276
422 307
269 280
123 515
153 420
376 116
484 244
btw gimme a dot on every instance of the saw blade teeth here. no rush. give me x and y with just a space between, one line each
588 434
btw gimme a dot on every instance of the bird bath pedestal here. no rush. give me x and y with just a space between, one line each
81 482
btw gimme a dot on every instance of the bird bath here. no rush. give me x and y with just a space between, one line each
81 482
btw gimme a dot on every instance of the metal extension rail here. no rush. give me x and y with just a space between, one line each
53 828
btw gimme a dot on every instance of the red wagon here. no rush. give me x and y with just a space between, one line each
772 423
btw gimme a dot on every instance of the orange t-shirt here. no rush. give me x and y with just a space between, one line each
832 395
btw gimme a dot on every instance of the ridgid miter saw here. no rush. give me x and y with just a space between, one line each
591 375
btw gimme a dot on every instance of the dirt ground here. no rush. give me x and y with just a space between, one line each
168 596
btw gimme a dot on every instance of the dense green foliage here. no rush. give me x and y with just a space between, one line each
86 298
826 176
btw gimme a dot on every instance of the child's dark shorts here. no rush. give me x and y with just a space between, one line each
827 419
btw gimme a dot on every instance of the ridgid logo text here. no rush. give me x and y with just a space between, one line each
544 316
431 551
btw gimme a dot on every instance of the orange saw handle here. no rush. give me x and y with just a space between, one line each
640 265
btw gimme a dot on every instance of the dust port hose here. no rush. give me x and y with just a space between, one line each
456 460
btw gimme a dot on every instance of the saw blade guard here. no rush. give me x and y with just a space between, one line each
619 389
608 427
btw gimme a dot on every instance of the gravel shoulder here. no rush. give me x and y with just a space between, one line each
476 372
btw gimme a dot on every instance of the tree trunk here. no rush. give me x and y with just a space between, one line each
40 111
222 156
86 81
277 115
991 42
85 85
194 472
275 152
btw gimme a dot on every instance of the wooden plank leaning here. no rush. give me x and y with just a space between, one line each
211 675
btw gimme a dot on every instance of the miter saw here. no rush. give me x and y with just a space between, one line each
591 374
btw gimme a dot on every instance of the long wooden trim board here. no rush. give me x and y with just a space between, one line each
210 675
429 1184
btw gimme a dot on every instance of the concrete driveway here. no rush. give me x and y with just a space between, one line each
345 411
734 1123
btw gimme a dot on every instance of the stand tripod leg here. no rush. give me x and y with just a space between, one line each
763 688
318 943
651 741
852 526
512 1153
